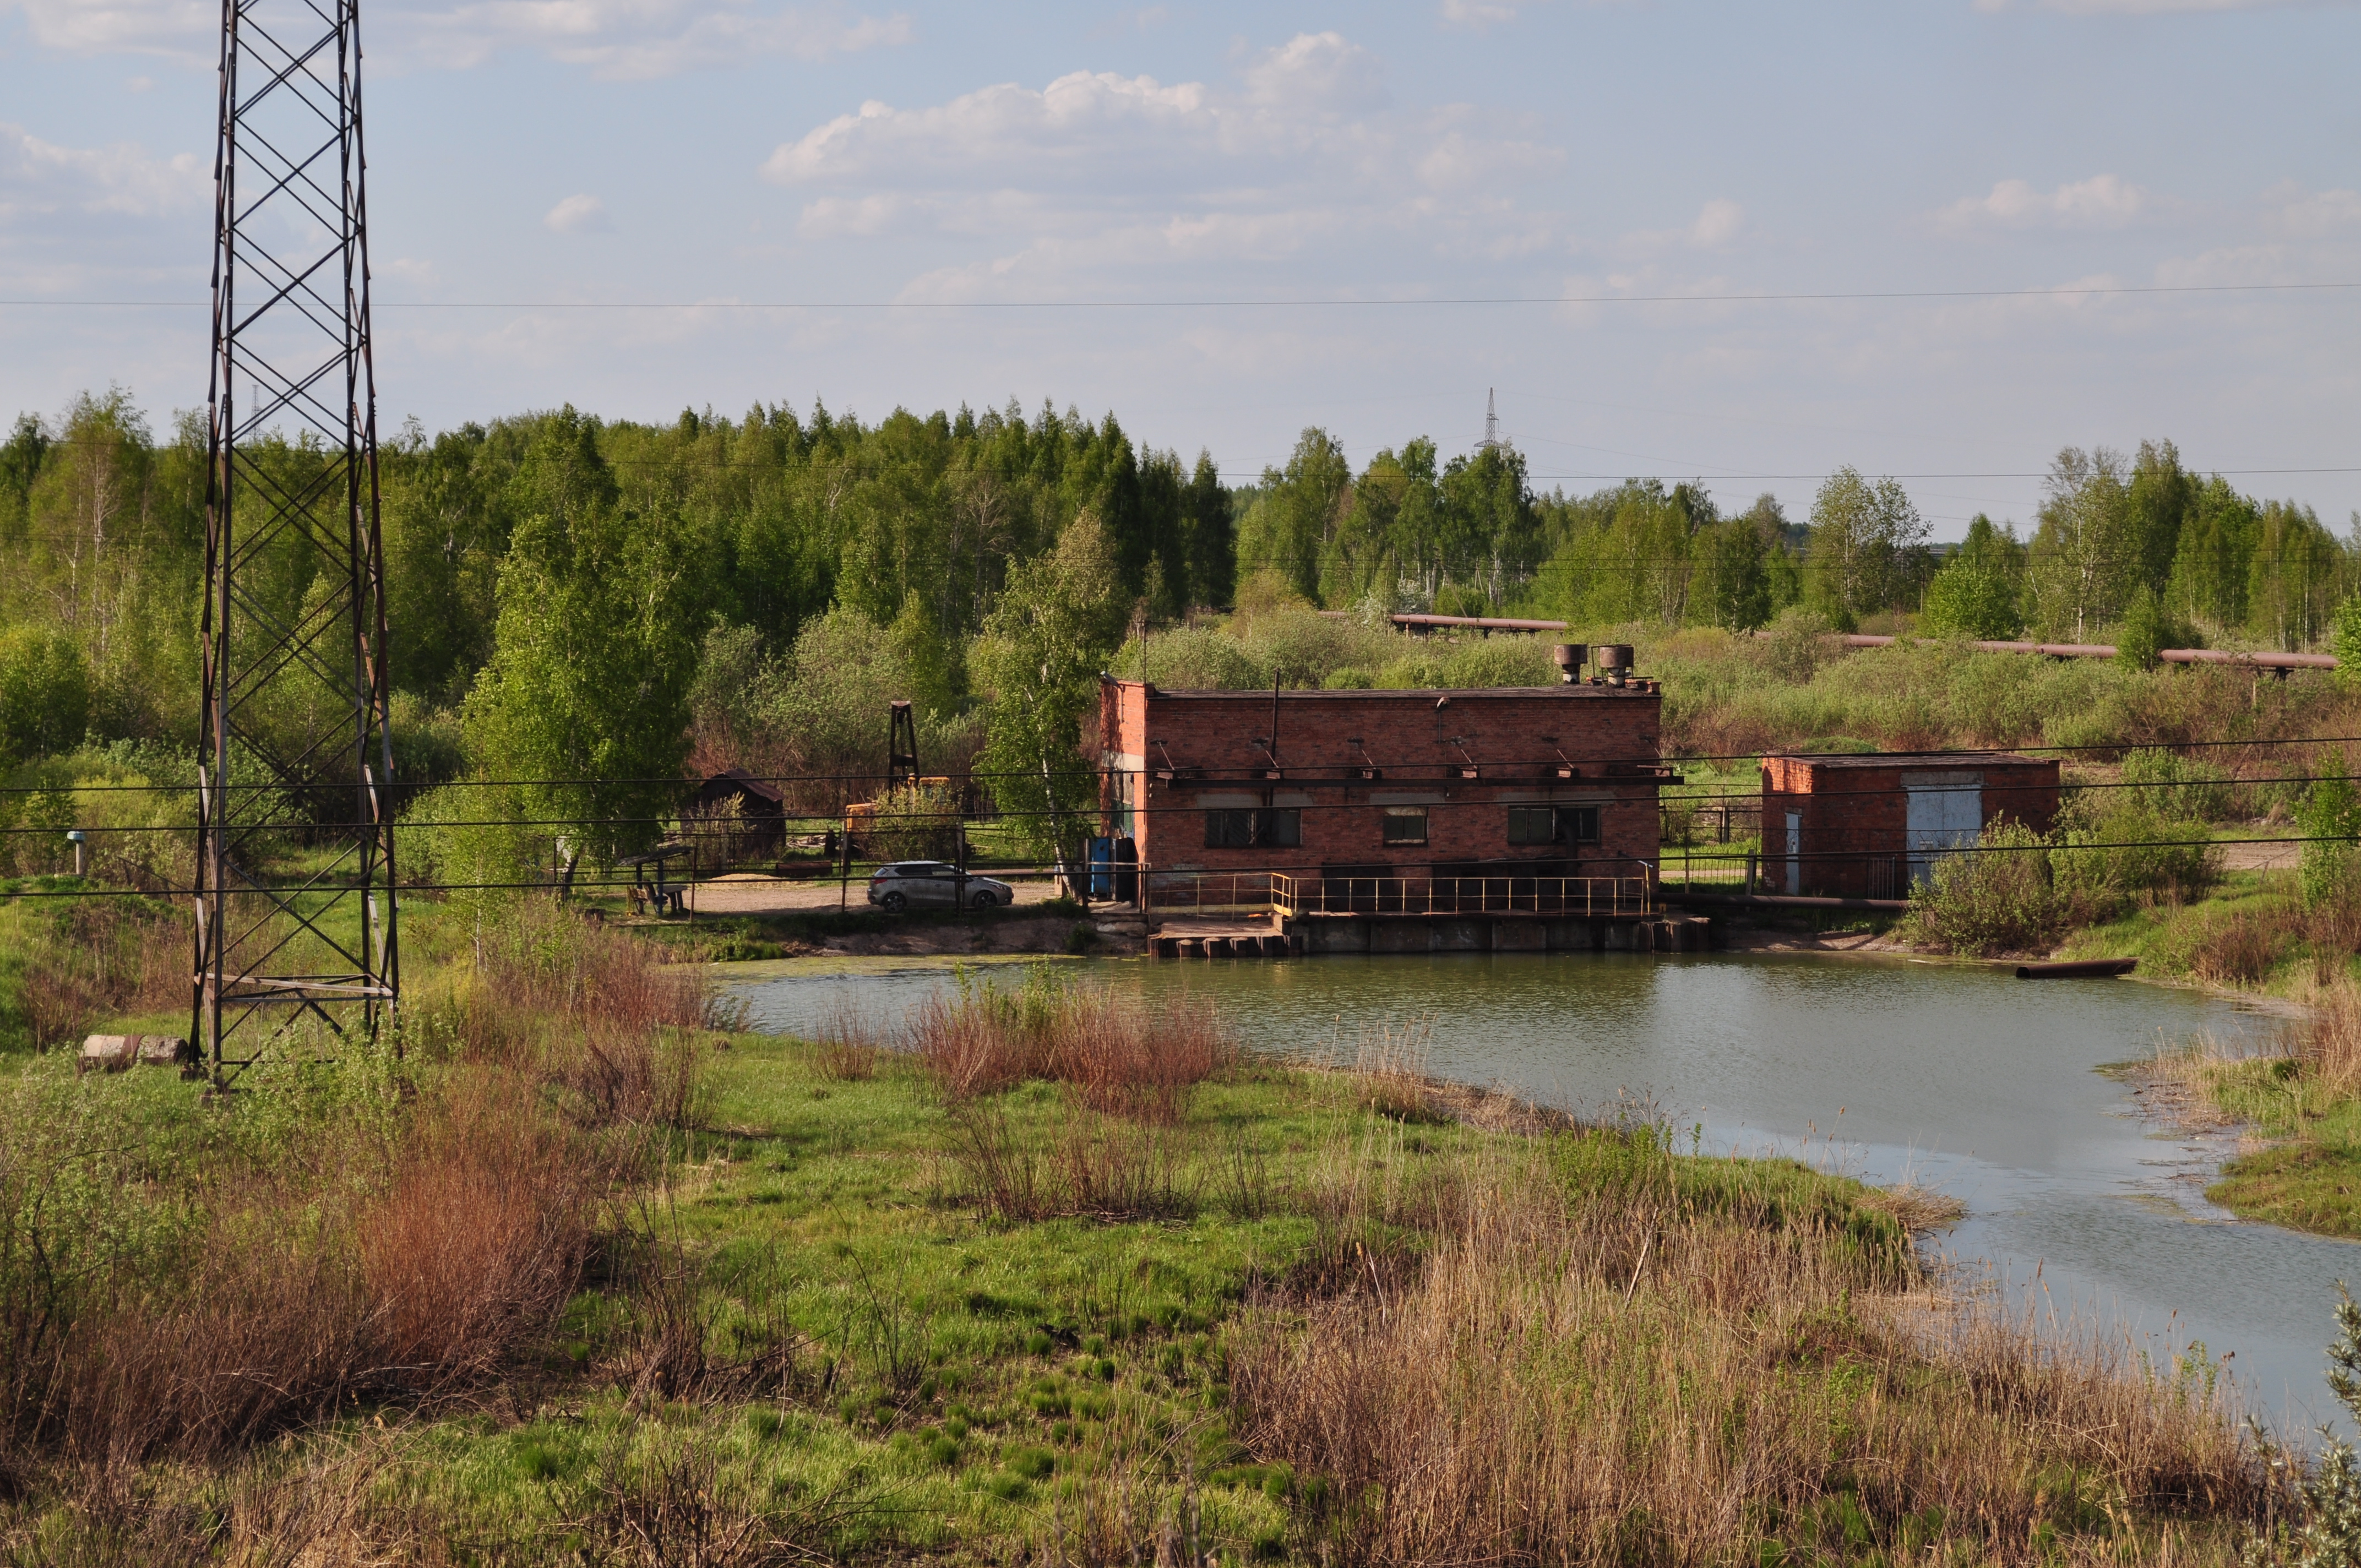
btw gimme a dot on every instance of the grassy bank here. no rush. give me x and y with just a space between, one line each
2302 1106
586 1278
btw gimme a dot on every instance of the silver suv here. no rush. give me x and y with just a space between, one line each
932 884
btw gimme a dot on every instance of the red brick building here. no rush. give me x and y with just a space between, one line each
1867 827
1385 798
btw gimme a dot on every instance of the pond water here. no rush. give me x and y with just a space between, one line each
1958 1077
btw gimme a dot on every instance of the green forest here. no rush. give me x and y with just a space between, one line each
574 599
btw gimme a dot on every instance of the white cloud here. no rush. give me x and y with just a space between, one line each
1479 14
832 216
635 39
40 176
612 37
2101 201
2317 213
2146 7
577 214
1717 223
1300 149
173 27
2227 267
1313 96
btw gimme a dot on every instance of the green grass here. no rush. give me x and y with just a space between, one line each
954 1384
2309 1179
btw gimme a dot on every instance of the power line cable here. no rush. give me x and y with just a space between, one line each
2080 291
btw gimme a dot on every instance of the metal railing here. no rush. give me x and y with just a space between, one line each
1200 893
1681 869
1293 896
1839 872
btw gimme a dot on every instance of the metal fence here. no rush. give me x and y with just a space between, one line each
1460 895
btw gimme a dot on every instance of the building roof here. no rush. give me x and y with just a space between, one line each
1890 760
738 781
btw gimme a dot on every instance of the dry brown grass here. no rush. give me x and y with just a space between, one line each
587 1011
406 1237
413 1268
1622 1381
480 1235
847 1046
1128 1060
1388 1074
1103 1167
2246 947
1123 1057
326 1505
2328 1042
977 1044
101 959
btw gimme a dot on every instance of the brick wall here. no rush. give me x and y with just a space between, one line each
1173 756
1855 814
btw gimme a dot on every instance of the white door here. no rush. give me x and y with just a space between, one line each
1794 852
1947 812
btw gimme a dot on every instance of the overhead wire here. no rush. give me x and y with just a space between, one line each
2073 290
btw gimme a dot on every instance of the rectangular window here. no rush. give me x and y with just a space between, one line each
1552 824
1533 825
1405 824
1229 829
1246 829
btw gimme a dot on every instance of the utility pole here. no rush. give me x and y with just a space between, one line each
294 897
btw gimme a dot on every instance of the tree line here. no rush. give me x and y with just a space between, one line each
572 597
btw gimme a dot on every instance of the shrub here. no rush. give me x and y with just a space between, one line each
44 693
2179 788
2129 854
915 822
2330 819
2328 1490
2244 948
1801 641
1500 662
1998 899
1193 658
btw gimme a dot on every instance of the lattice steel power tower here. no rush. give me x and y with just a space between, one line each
295 903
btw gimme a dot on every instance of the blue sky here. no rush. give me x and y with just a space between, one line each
984 160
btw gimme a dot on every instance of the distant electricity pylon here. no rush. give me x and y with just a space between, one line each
294 878
1491 422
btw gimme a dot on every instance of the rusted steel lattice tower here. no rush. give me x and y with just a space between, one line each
294 881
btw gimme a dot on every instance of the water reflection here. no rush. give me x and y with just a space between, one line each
1960 1077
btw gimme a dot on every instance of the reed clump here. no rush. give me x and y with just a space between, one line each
847 1047
1659 1372
1120 1057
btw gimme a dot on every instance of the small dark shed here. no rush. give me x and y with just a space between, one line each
1868 827
743 817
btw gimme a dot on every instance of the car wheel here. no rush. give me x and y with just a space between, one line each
983 899
894 902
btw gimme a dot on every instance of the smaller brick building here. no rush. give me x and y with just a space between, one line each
1401 799
1867 827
